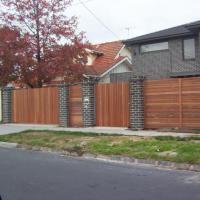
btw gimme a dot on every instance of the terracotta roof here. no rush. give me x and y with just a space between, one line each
108 58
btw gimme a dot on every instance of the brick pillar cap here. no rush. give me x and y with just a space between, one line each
90 80
63 85
8 88
137 78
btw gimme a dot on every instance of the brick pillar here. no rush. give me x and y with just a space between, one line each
136 103
198 54
7 104
199 38
63 105
88 89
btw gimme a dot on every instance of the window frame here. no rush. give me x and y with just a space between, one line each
141 52
183 49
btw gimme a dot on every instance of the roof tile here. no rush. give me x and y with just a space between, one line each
104 62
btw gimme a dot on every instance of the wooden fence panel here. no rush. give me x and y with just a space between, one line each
191 102
37 106
75 106
172 103
112 105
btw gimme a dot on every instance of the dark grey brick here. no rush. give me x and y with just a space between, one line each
136 103
63 105
161 64
88 90
7 105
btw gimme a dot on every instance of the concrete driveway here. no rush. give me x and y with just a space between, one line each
14 128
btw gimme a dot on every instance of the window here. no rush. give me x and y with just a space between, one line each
189 48
154 47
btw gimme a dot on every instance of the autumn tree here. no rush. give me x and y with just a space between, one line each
10 46
51 46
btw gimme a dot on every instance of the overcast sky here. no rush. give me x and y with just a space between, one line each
141 16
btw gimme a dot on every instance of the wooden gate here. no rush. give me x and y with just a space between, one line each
75 106
112 105
172 103
37 106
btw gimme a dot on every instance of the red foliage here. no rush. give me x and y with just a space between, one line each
10 49
48 45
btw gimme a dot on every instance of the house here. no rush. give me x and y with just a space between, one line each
109 62
173 52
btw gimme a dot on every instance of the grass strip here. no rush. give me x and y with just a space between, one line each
167 148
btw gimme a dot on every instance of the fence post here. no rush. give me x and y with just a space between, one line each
88 109
136 103
7 104
63 105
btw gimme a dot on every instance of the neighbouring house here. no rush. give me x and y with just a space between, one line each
173 52
109 62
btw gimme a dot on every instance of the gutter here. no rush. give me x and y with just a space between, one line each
149 40
90 76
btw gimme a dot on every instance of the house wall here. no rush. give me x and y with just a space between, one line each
90 59
119 69
125 52
161 64
121 77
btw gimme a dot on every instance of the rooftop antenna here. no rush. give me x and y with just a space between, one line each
128 31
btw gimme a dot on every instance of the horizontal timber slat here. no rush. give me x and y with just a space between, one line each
172 103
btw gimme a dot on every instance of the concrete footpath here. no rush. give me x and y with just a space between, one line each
14 128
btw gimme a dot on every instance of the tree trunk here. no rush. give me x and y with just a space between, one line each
38 33
39 82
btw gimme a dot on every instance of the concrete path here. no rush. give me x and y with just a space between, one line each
27 175
14 128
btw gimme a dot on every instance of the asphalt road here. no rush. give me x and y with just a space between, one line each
26 175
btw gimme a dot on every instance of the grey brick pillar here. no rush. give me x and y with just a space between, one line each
63 105
136 103
88 90
199 37
7 104
198 56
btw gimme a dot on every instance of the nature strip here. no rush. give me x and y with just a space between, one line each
113 159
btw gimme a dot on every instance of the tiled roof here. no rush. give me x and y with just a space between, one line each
108 58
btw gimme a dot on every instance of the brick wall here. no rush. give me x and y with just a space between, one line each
121 77
7 105
177 61
88 90
63 105
161 64
136 107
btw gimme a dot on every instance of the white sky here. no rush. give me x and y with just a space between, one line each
142 16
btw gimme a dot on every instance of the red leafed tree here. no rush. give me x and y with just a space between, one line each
10 45
50 44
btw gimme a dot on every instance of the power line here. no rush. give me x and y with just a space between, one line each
76 4
99 20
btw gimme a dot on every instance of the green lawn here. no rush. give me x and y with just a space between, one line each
181 150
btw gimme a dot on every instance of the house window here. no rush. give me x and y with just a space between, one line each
189 49
154 47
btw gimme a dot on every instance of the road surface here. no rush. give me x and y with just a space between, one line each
27 175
